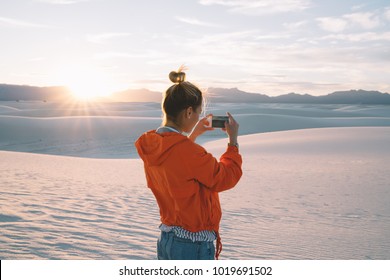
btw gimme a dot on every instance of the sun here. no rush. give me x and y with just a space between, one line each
86 83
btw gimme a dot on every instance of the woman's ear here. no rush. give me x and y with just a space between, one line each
189 112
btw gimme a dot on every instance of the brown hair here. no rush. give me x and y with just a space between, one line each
180 96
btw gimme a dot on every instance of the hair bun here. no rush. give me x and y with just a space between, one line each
177 77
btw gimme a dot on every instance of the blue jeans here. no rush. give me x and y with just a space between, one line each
171 247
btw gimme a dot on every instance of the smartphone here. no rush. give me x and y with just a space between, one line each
218 121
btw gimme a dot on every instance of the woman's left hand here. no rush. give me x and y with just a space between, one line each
201 127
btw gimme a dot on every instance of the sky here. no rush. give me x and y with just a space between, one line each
272 47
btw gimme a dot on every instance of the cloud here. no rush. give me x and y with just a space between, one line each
34 59
332 24
197 22
256 7
365 21
110 55
274 36
295 25
387 13
360 37
104 37
21 23
358 7
143 54
61 2
251 57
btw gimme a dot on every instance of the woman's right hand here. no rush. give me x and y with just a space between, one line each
201 127
231 129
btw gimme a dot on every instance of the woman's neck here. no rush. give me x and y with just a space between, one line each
173 125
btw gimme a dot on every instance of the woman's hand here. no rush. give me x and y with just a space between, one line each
231 129
201 127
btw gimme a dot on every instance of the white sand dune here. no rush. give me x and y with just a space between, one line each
55 207
318 192
109 130
305 194
311 194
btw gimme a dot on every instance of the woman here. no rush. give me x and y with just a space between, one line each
184 178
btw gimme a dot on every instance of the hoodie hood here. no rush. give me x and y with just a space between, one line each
154 148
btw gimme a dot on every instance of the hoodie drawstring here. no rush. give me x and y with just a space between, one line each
218 246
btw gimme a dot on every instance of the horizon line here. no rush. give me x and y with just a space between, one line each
205 90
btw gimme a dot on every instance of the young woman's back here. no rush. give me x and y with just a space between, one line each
186 180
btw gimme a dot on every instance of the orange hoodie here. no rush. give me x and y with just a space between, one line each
185 179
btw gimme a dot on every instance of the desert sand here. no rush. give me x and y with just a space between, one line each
316 182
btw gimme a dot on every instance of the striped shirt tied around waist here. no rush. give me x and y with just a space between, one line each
203 235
